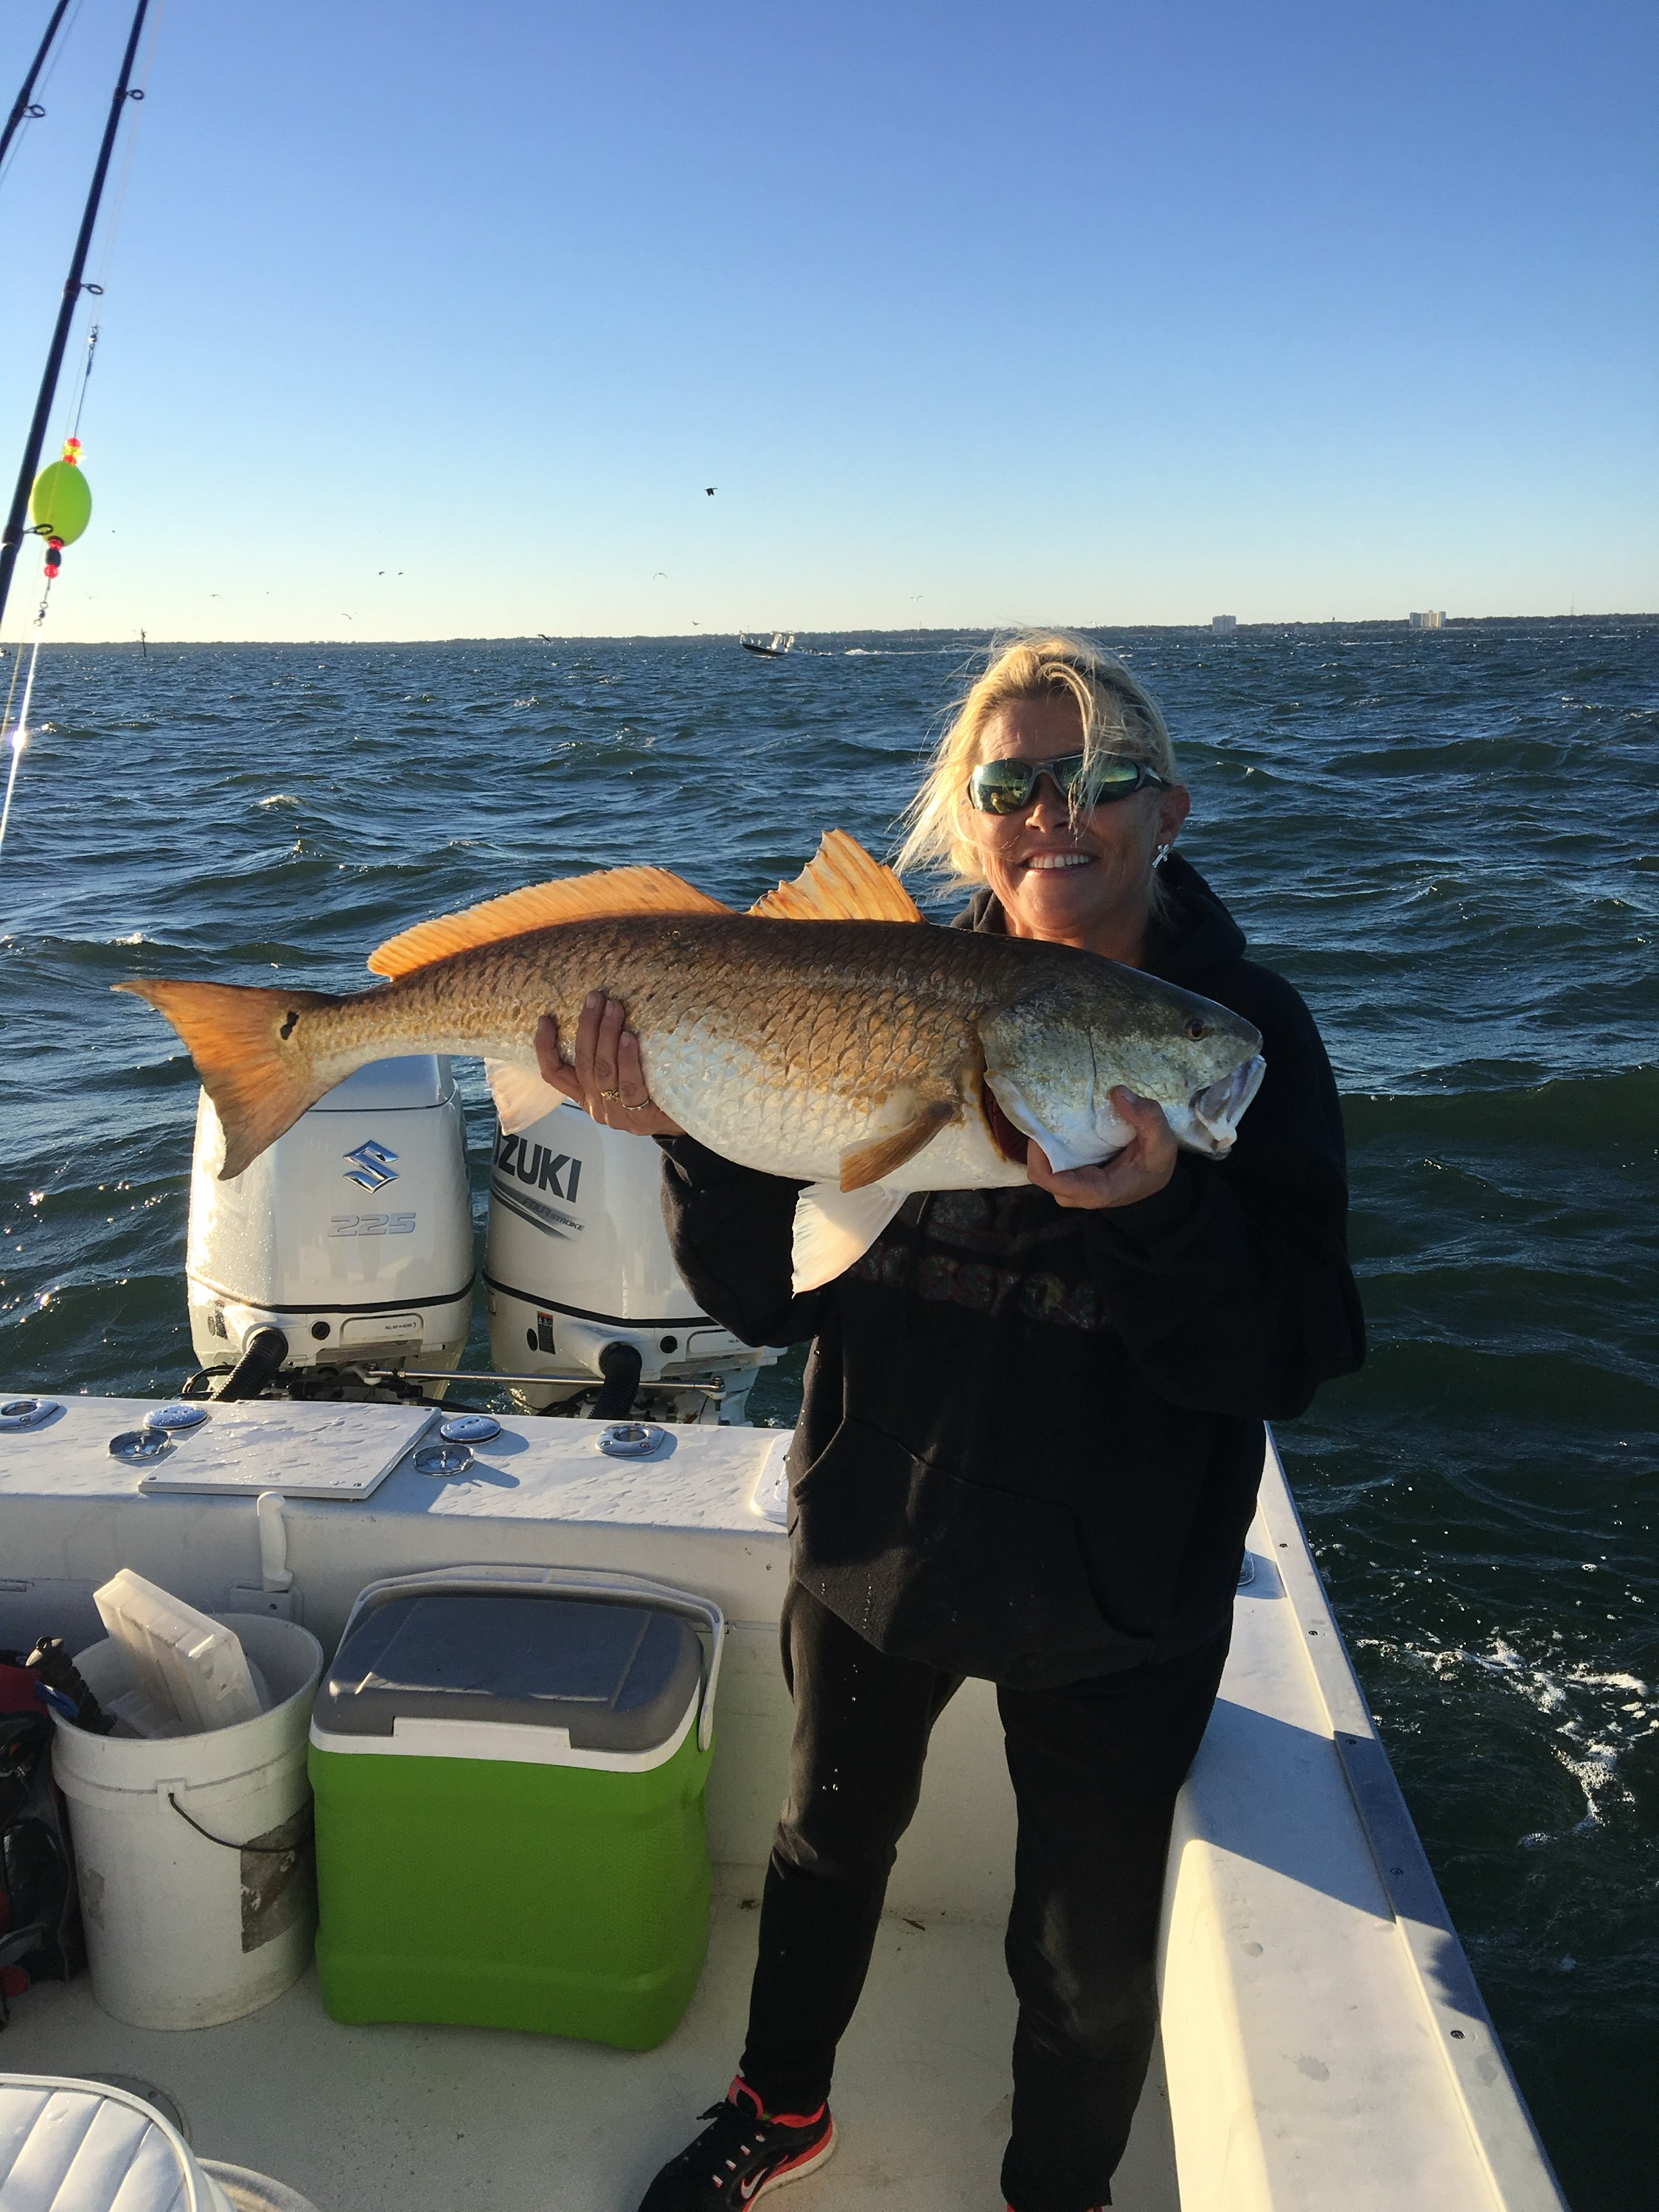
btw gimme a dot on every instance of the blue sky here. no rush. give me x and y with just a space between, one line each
974 314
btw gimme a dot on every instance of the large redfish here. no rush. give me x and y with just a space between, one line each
828 1034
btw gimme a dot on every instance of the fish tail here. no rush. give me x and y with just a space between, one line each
249 1054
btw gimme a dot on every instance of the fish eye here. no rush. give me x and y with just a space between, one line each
1196 1029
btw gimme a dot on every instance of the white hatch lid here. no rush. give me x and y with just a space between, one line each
69 2146
305 1450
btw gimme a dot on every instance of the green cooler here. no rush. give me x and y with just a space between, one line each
509 1766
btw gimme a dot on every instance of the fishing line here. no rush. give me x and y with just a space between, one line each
26 108
19 733
111 230
49 522
73 430
36 111
11 535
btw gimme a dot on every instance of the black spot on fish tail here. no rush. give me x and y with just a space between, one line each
287 1029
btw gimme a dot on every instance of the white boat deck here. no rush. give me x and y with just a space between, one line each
390 2119
1324 2042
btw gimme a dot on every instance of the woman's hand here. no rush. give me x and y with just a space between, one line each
607 1080
1142 1167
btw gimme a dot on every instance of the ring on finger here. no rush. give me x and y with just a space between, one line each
641 1109
610 1097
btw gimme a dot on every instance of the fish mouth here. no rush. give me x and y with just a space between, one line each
1219 1106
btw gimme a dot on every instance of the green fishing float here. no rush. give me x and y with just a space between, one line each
60 504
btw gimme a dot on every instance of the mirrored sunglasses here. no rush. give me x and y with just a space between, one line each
1003 787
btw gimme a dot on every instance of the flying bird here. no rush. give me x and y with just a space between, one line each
710 489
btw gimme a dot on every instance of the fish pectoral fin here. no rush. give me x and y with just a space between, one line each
520 1095
834 1227
598 898
878 1158
840 883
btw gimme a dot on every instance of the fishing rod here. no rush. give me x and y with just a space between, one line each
12 536
23 108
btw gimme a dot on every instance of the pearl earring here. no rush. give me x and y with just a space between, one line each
1160 856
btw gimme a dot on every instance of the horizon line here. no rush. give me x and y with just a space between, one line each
942 630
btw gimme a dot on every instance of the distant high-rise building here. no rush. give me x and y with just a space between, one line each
1224 625
1431 618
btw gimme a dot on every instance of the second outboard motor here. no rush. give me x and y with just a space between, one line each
580 1282
352 1236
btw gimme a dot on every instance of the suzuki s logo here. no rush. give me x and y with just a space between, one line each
371 1166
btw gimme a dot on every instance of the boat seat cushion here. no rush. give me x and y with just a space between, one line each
70 2146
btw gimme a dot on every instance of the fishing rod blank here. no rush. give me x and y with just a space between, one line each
12 536
23 107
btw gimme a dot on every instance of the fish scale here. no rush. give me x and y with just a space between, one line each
851 1055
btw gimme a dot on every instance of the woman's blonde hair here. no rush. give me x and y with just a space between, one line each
1116 715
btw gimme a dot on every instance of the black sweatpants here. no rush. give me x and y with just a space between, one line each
1096 1766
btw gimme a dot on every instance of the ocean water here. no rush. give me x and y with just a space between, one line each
1449 841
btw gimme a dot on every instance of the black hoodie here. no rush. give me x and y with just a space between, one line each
1032 1434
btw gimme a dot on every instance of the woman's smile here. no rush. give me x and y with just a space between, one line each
1080 880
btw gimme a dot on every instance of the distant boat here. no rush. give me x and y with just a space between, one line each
781 643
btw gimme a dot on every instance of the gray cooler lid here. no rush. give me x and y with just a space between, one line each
619 1677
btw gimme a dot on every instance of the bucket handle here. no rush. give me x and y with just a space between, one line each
260 1851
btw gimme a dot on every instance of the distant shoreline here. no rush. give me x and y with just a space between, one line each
1368 623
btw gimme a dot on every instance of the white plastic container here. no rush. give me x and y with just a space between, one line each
194 1853
188 1671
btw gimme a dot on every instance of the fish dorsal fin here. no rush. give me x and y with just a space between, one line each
840 883
596 898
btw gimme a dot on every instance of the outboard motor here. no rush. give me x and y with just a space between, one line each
352 1236
582 1286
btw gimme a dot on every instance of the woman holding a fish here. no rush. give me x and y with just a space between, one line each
1031 1440
1054 1277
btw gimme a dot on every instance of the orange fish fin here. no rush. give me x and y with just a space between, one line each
840 883
237 1034
878 1158
521 1098
834 1227
596 898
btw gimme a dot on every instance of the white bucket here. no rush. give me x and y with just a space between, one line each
194 1854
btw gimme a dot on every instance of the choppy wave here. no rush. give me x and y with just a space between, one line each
1449 841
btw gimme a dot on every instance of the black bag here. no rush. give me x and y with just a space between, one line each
39 1918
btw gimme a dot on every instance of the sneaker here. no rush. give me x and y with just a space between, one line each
740 2155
